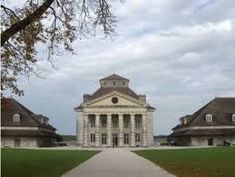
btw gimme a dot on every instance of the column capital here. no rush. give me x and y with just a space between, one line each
109 115
132 115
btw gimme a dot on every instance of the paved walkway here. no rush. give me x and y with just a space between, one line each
117 163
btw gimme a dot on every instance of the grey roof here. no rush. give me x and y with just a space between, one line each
105 90
114 77
10 106
221 109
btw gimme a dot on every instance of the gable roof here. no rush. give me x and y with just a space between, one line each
10 106
114 77
221 109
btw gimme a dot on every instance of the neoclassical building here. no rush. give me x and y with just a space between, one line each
114 115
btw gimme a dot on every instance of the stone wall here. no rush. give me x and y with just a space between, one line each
19 142
27 142
203 140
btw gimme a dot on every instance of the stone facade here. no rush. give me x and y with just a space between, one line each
114 116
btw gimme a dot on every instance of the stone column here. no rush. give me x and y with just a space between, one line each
132 130
97 130
85 130
120 122
144 128
109 128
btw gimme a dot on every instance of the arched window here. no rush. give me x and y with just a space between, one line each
209 118
16 118
233 117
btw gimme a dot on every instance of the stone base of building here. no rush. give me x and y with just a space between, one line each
204 140
27 142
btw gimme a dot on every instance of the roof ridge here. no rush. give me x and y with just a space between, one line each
114 76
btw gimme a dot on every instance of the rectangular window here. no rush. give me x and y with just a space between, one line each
126 138
92 122
126 123
92 138
137 123
137 137
104 138
103 123
16 118
115 123
233 118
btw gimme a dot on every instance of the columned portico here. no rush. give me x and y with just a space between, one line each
114 116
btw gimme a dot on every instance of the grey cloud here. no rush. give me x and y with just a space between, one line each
176 53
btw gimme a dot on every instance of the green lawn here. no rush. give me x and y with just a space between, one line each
207 162
40 163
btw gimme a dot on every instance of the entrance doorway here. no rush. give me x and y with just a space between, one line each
17 142
115 140
210 142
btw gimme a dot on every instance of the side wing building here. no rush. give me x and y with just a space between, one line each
20 127
213 124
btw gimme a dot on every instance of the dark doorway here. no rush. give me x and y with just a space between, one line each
17 142
115 140
210 142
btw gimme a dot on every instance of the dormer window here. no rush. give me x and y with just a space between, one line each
209 118
16 118
233 118
47 122
185 121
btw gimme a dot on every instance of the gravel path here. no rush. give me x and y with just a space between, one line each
117 163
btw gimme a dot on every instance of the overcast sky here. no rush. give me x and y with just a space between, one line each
180 53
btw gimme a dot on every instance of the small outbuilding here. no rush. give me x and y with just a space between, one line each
20 127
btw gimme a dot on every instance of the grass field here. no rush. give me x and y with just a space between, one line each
207 162
40 163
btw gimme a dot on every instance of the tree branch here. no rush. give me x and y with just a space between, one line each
11 11
21 25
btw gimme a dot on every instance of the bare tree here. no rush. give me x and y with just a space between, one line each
54 23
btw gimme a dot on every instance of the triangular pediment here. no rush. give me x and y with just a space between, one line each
115 99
